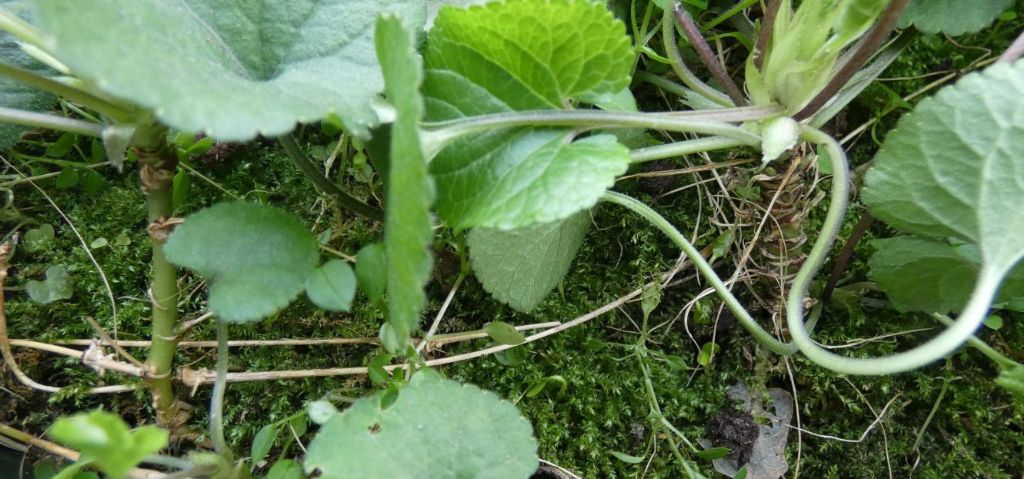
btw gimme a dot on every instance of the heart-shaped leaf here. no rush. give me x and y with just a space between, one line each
951 168
105 439
230 68
56 286
37 239
15 94
520 267
332 286
952 17
255 257
408 230
523 55
435 428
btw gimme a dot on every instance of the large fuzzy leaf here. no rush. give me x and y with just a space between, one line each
256 258
523 55
410 191
230 68
953 167
952 17
934 277
12 93
435 429
520 267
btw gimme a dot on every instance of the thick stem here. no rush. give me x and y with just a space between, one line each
763 38
668 38
217 399
707 56
157 163
865 50
705 269
20 29
291 148
42 120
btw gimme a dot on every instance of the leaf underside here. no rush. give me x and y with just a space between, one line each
14 94
256 257
514 56
407 226
437 428
230 68
952 17
520 267
952 168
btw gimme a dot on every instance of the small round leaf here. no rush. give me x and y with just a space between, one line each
255 257
332 286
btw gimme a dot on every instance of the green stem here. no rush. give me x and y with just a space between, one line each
663 422
668 38
712 122
700 45
705 269
291 148
42 120
665 84
20 29
156 173
681 148
220 384
945 343
55 87
981 346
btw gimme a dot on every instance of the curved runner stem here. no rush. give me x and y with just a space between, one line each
705 269
938 347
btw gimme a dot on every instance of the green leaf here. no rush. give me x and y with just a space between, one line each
952 17
994 322
36 239
408 231
332 286
67 179
931 276
105 439
371 271
230 68
520 267
713 453
627 458
707 353
504 333
951 168
14 94
513 56
255 257
180 186
285 469
436 428
1012 378
924 275
262 442
56 286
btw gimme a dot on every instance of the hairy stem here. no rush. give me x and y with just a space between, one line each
707 56
668 38
982 346
217 399
1015 50
705 269
680 148
20 29
436 136
865 50
52 122
55 87
157 166
954 336
291 148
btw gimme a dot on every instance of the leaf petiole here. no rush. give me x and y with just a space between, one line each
53 122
